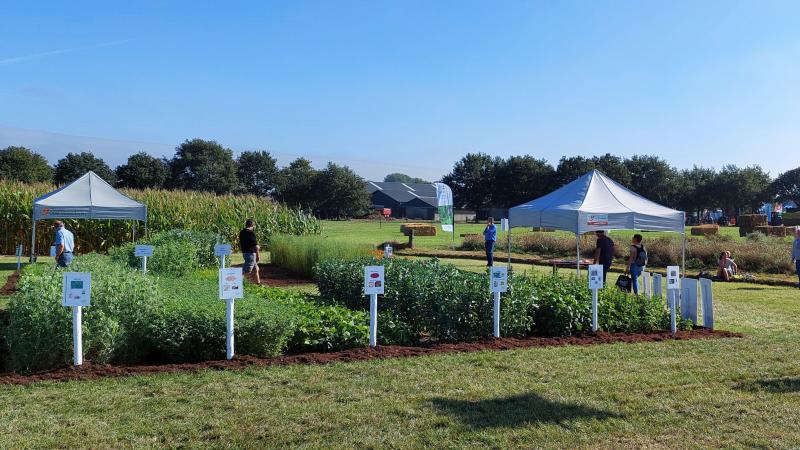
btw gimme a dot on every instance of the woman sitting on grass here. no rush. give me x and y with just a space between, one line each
727 267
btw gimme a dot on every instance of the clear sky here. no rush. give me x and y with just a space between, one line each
409 86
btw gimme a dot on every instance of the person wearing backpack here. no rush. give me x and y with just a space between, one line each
636 261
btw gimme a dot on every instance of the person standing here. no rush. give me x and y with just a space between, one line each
636 261
489 238
604 253
796 253
250 250
65 244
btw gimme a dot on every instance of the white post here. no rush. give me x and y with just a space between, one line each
229 324
19 257
672 313
497 314
144 264
33 240
77 336
222 262
373 320
578 259
683 256
594 311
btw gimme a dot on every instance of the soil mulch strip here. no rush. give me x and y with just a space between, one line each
272 275
11 285
91 371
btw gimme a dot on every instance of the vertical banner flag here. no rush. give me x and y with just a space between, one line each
444 201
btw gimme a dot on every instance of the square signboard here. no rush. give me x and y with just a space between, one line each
596 276
673 277
498 281
503 224
143 250
373 280
231 283
222 249
77 289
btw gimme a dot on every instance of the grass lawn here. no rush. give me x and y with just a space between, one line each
716 393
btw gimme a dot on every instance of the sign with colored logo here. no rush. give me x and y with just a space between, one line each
498 279
77 289
222 249
388 251
673 277
596 276
231 283
597 219
143 250
373 280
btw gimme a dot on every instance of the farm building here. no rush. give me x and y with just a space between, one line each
406 200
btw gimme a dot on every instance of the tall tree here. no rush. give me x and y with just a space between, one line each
257 173
573 167
695 189
520 179
295 185
22 164
402 178
75 165
742 189
203 166
472 180
143 171
787 186
340 193
653 178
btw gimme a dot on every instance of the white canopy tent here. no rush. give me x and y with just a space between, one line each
88 197
595 202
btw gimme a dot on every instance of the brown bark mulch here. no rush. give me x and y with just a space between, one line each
90 371
11 285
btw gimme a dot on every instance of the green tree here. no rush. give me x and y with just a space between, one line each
695 190
787 186
75 165
203 166
22 164
339 193
653 178
143 171
569 169
295 185
742 189
257 172
572 168
520 179
472 180
402 178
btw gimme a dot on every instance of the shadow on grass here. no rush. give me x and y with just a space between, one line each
517 411
751 288
10 266
774 385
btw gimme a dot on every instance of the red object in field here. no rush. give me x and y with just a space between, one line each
387 212
733 221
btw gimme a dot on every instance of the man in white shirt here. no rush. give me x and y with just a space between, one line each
65 244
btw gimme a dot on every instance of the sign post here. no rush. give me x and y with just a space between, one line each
673 287
374 281
231 287
76 292
19 257
498 282
222 250
595 284
388 251
143 251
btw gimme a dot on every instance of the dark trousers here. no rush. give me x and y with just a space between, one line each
605 273
489 253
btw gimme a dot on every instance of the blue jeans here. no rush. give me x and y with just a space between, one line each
249 262
64 260
636 270
489 253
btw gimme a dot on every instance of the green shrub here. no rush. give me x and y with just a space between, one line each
175 252
114 326
299 254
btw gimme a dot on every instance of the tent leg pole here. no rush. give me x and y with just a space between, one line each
33 240
683 256
578 259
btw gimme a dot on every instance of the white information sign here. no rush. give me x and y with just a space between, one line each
596 276
503 224
222 249
77 289
231 283
673 278
373 280
52 251
143 250
388 251
499 279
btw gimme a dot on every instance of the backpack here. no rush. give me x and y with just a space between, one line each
641 256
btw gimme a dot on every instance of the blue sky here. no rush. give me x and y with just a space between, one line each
406 86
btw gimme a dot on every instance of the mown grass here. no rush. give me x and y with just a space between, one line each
716 393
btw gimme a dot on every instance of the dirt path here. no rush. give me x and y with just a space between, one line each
91 371
11 285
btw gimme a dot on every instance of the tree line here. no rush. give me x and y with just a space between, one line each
480 181
332 192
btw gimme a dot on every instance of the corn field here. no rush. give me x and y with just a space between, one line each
166 210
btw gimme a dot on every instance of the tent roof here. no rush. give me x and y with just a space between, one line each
596 202
88 197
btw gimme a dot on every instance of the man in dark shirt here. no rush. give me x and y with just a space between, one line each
604 253
250 250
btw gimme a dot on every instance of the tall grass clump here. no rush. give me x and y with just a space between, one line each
299 254
222 215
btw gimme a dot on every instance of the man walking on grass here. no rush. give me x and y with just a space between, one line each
250 250
65 244
489 238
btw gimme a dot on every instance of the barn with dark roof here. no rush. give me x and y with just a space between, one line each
406 200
